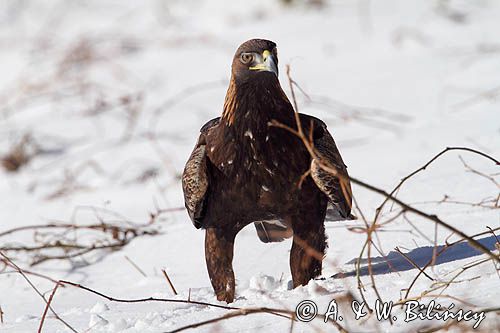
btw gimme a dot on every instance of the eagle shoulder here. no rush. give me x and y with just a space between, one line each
194 177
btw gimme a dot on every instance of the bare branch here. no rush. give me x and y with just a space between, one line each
169 282
20 271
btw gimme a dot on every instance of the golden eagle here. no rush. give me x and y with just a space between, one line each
242 171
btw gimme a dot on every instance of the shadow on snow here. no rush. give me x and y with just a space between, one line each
395 262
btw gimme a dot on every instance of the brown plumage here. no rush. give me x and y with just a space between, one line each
244 171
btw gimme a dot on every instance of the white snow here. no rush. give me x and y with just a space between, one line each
396 82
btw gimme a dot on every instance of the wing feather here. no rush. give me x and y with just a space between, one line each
195 180
339 192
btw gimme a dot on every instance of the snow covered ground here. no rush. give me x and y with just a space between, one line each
114 93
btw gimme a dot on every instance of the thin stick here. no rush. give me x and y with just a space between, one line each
151 299
135 266
80 253
435 296
238 313
170 282
47 307
493 233
99 227
165 300
413 263
247 311
29 272
1 315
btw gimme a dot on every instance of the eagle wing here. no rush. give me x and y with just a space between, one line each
338 191
195 179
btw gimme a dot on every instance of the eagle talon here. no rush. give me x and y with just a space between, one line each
226 296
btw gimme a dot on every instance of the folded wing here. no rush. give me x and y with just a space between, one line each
337 188
195 179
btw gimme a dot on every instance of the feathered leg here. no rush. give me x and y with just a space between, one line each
219 257
308 249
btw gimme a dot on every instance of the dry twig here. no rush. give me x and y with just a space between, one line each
62 237
20 271
135 266
170 282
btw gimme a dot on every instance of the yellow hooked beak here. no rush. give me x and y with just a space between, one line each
266 62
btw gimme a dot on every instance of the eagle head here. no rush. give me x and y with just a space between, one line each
254 58
254 80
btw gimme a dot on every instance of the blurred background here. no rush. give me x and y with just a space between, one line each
100 94
101 103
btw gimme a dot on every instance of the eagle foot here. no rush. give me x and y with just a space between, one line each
226 296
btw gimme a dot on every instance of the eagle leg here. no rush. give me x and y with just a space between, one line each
308 249
219 246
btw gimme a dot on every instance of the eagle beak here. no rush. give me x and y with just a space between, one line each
266 63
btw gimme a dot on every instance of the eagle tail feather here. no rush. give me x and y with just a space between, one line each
272 232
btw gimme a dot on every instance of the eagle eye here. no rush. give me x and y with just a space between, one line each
246 58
